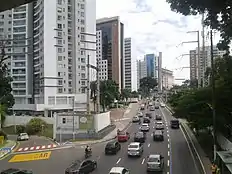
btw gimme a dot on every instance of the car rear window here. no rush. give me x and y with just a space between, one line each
174 121
122 133
133 146
153 160
110 145
139 134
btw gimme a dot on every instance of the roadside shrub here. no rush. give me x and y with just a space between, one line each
2 133
20 129
34 126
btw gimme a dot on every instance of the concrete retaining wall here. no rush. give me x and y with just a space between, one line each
23 120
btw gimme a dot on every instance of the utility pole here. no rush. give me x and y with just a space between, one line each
88 87
73 117
98 89
198 50
213 96
203 48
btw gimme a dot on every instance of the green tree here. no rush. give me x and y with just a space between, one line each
6 98
35 126
213 9
2 114
125 94
147 84
108 93
134 94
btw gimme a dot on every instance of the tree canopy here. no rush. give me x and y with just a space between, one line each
6 98
218 17
108 92
147 84
194 104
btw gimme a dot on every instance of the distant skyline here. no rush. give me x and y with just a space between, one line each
159 30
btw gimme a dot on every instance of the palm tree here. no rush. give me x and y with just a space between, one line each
2 115
93 92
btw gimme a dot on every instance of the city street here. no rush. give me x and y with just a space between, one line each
178 159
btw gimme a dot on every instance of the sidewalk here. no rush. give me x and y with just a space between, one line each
196 148
121 124
8 147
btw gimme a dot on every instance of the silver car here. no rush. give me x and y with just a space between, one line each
135 149
155 163
145 127
159 125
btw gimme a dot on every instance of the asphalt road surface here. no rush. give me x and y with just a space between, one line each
178 159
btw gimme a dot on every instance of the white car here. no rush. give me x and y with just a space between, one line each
135 119
162 105
135 149
144 127
140 114
119 170
22 137
159 125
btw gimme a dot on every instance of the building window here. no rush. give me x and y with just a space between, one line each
63 120
59 26
59 50
82 90
59 90
59 2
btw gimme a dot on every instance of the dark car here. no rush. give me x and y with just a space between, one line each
156 107
158 135
112 147
158 117
146 120
175 124
16 171
149 115
140 137
82 167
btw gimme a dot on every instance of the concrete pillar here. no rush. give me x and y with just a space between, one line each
45 113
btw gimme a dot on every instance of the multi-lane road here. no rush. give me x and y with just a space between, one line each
174 148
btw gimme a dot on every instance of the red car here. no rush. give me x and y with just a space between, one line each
123 136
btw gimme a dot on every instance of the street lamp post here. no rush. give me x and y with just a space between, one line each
213 96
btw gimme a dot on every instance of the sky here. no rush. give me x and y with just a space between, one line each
154 28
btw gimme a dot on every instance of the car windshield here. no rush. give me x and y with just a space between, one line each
114 173
159 123
144 125
133 146
152 159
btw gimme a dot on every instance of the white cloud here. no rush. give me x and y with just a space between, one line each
155 29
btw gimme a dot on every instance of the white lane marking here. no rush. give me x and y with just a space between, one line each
20 149
168 145
152 134
168 163
153 127
148 145
26 148
168 135
168 139
38 147
143 161
192 152
118 160
168 153
167 130
167 172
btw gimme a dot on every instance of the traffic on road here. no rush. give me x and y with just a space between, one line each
153 143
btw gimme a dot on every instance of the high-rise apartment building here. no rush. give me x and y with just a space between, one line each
102 63
167 79
50 47
198 67
160 73
141 71
151 65
112 40
127 64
